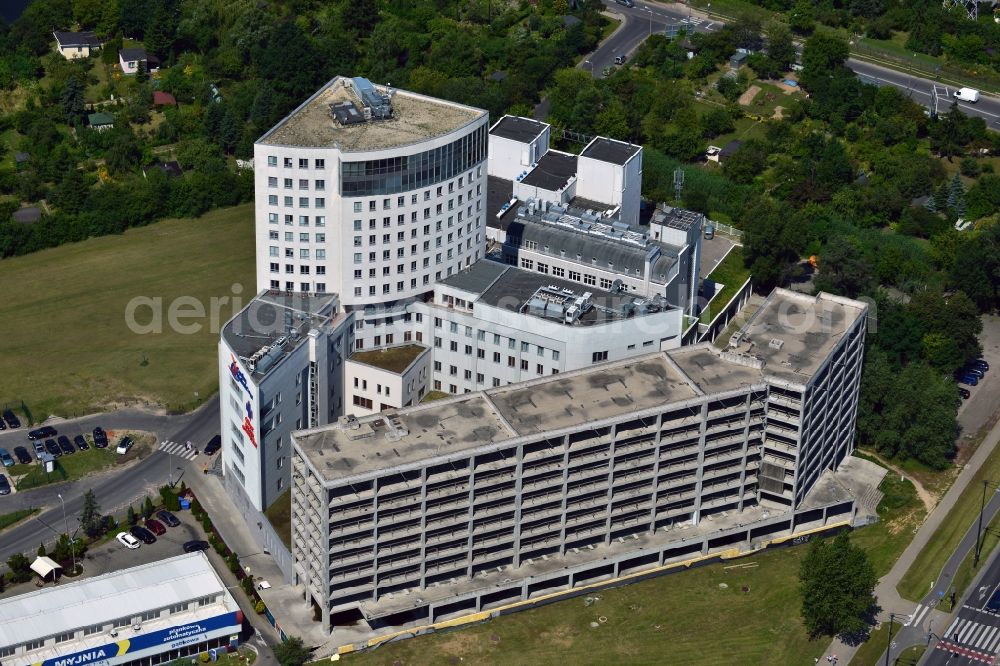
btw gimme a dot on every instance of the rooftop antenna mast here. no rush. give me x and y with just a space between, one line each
678 183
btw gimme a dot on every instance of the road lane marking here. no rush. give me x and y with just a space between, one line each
963 635
920 615
948 632
178 449
986 638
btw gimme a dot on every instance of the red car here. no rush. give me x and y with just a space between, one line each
156 527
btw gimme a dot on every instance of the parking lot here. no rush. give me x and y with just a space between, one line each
977 412
113 556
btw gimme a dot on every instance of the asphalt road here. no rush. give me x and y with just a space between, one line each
648 17
973 637
113 489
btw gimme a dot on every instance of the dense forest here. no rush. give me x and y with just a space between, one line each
862 178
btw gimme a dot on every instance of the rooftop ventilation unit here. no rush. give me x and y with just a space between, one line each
376 104
346 113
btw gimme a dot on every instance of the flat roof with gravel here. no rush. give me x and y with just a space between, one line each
415 118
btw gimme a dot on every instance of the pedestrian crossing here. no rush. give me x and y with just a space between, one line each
692 20
918 616
975 640
179 449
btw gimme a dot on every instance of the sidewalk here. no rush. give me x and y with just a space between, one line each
213 499
888 597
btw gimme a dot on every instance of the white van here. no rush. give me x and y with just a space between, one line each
967 95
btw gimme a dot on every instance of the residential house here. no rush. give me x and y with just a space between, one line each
73 45
161 98
129 59
27 215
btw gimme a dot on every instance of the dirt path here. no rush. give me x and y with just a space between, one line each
929 500
747 97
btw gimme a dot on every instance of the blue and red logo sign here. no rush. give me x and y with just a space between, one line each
241 379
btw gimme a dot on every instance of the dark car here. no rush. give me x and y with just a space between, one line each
169 519
213 445
971 380
981 364
142 534
195 546
974 371
22 455
2 426
155 526
11 419
964 393
43 432
64 445
81 442
100 438
53 448
4 485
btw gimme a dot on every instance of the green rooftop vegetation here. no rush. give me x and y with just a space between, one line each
392 359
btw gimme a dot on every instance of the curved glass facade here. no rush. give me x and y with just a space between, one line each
400 174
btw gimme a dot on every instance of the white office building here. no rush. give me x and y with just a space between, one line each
141 616
370 193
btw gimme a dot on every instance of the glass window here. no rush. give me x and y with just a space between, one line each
272 160
320 164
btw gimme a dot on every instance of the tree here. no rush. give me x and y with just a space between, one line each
747 162
131 516
72 100
71 194
821 56
837 584
801 19
147 507
90 515
292 652
20 568
843 269
63 550
780 46
41 552
141 74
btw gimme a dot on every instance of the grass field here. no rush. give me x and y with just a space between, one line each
68 468
916 581
682 618
869 653
966 572
730 272
8 519
67 347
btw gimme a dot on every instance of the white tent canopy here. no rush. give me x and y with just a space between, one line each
43 566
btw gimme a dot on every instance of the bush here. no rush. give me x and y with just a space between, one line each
969 167
203 657
20 568
258 607
169 499
247 585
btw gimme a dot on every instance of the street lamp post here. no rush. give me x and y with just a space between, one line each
72 543
979 530
888 642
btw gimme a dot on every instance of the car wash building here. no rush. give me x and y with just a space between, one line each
145 615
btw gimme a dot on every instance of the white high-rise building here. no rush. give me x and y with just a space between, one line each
369 192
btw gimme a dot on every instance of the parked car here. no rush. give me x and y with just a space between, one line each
169 519
39 448
195 546
981 364
964 393
155 526
100 438
5 458
2 425
127 540
64 445
975 372
53 448
971 380
213 445
4 485
81 442
142 534
967 95
11 419
22 455
124 446
43 432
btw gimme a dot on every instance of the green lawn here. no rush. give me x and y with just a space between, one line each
869 653
67 347
68 468
391 359
901 513
925 568
731 273
431 396
279 515
8 519
684 618
966 572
